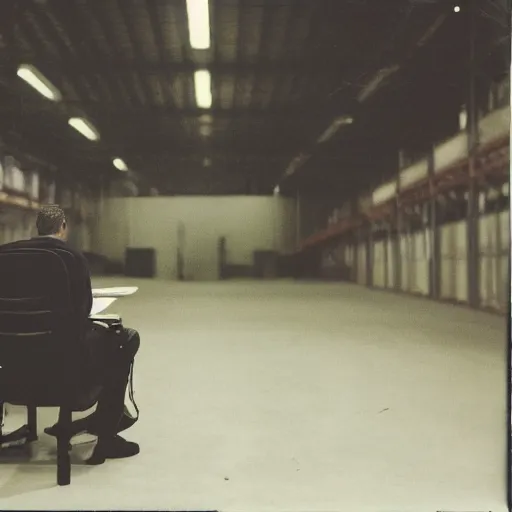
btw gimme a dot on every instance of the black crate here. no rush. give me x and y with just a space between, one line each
140 262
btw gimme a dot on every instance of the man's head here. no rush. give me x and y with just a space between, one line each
51 221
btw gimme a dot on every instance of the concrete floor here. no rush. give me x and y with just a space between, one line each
298 397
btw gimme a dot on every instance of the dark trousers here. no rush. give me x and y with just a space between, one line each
111 357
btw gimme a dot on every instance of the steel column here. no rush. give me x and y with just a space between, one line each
472 205
501 298
369 256
386 257
397 255
297 222
434 238
397 236
355 257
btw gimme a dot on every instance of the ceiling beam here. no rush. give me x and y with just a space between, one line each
46 152
167 113
329 66
70 22
344 154
51 32
198 154
154 17
124 8
121 89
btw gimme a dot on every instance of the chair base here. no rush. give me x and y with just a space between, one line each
63 462
17 438
28 434
63 448
22 436
32 423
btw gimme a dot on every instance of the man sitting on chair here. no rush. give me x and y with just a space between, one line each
111 353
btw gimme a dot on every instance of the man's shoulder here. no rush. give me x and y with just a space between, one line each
77 260
31 243
19 244
56 243
40 243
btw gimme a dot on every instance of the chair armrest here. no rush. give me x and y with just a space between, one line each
109 320
102 318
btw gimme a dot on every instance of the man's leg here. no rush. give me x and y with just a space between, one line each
107 418
119 359
112 356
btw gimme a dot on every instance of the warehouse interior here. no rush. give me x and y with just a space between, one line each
313 199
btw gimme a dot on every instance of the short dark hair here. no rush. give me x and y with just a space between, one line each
50 219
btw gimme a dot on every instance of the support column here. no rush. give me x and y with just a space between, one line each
435 239
355 256
297 222
500 289
397 255
386 256
369 256
473 264
397 231
408 254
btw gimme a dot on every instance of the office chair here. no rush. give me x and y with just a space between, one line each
42 359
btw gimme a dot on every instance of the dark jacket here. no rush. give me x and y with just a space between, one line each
80 276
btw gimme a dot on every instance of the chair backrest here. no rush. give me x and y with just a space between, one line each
73 269
40 332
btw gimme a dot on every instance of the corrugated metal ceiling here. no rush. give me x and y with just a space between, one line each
281 71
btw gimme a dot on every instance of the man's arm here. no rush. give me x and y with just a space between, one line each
88 287
82 284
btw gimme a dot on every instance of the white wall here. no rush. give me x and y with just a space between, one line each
379 264
383 268
391 266
494 238
361 264
110 231
421 262
248 223
454 274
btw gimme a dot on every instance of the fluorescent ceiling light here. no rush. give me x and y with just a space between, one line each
334 127
206 119
203 87
198 24
297 162
376 82
84 127
344 120
431 30
120 164
205 130
39 82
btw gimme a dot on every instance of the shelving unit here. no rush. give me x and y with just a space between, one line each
11 199
401 241
491 169
23 186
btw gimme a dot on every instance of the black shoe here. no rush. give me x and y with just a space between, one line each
87 425
115 448
78 427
